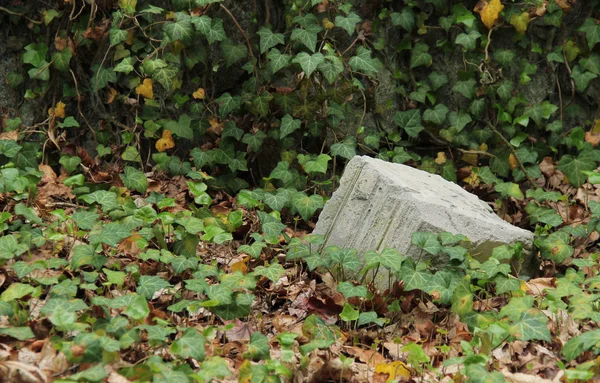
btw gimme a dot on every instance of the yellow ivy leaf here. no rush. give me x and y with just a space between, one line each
170 15
177 47
441 158
520 22
145 89
111 95
199 94
165 142
512 161
394 370
130 36
472 179
489 11
596 126
470 158
327 24
58 110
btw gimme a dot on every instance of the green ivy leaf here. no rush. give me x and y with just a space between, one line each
273 272
107 199
179 30
70 163
582 78
540 111
580 343
148 285
307 62
420 57
307 206
463 15
556 247
271 226
531 326
415 279
437 80
405 19
363 62
331 68
61 60
255 140
573 166
190 345
466 88
591 28
459 120
16 291
134 179
181 127
545 215
591 64
268 39
436 115
427 242
277 60
288 126
509 189
227 104
307 36
468 41
345 149
112 234
232 53
116 36
409 121
125 66
310 165
348 290
506 285
347 22
101 77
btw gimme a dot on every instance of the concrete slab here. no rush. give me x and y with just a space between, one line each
380 205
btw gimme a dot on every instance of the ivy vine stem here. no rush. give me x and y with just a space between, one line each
8 11
514 152
245 37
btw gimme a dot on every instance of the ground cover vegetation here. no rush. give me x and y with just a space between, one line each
163 163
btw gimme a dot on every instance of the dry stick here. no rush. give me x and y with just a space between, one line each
79 103
560 99
2 9
245 37
514 152
570 77
71 17
487 45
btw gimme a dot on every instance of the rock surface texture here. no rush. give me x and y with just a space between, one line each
380 205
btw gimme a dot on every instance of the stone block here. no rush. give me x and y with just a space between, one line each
380 205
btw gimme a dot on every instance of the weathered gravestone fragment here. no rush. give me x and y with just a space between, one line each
380 205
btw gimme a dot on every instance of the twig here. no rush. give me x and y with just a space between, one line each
514 152
2 9
479 152
570 78
63 204
79 103
351 45
560 99
487 45
250 52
